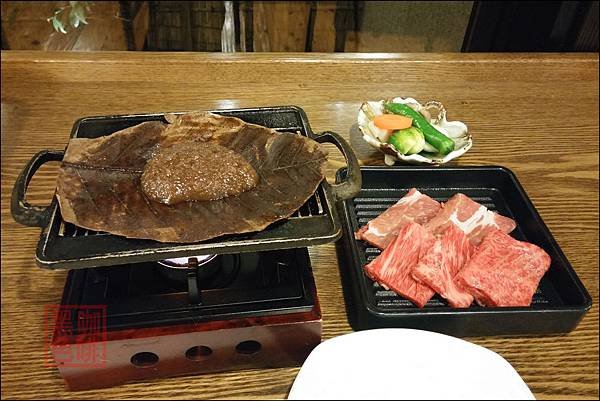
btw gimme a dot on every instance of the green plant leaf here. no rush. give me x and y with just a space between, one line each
73 18
79 12
58 25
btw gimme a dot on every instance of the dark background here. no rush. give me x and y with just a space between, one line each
528 26
326 26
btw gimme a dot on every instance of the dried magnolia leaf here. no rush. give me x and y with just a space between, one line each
99 182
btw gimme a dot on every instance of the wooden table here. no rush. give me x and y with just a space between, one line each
535 114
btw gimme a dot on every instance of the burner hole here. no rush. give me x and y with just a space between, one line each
248 347
198 353
144 359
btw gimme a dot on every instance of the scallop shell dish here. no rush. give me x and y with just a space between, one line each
433 112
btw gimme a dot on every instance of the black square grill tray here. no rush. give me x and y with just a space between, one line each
63 245
559 303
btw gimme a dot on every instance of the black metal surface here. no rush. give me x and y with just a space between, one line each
350 186
532 26
63 245
559 303
246 285
23 212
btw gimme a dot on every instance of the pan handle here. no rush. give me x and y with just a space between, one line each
23 212
352 183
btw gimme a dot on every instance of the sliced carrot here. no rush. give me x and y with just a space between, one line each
392 121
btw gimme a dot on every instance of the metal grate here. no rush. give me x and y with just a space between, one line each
312 207
367 208
71 230
313 224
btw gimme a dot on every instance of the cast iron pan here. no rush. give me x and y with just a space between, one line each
62 245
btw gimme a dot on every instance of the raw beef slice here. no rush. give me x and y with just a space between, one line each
413 207
504 271
393 268
471 217
442 262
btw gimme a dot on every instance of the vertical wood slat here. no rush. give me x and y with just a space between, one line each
346 21
246 15
207 23
241 33
186 25
140 25
280 26
5 45
126 14
587 38
323 33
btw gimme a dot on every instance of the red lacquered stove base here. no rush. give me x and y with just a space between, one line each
148 353
251 310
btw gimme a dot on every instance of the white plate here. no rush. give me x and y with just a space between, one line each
405 364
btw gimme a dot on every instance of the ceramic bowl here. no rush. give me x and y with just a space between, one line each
434 112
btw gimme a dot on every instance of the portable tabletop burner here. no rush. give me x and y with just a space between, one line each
163 310
227 312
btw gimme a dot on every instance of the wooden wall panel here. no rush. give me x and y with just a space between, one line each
323 37
140 26
25 27
280 26
24 23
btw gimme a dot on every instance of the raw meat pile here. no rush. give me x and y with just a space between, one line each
457 249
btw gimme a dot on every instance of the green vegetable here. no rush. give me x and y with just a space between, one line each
408 141
441 142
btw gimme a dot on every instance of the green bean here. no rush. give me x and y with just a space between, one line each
441 142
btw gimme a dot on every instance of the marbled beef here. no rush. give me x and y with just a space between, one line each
471 217
504 271
437 269
393 267
413 207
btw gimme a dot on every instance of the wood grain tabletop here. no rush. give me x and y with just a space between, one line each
536 114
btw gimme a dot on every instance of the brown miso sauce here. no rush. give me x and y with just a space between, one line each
196 171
